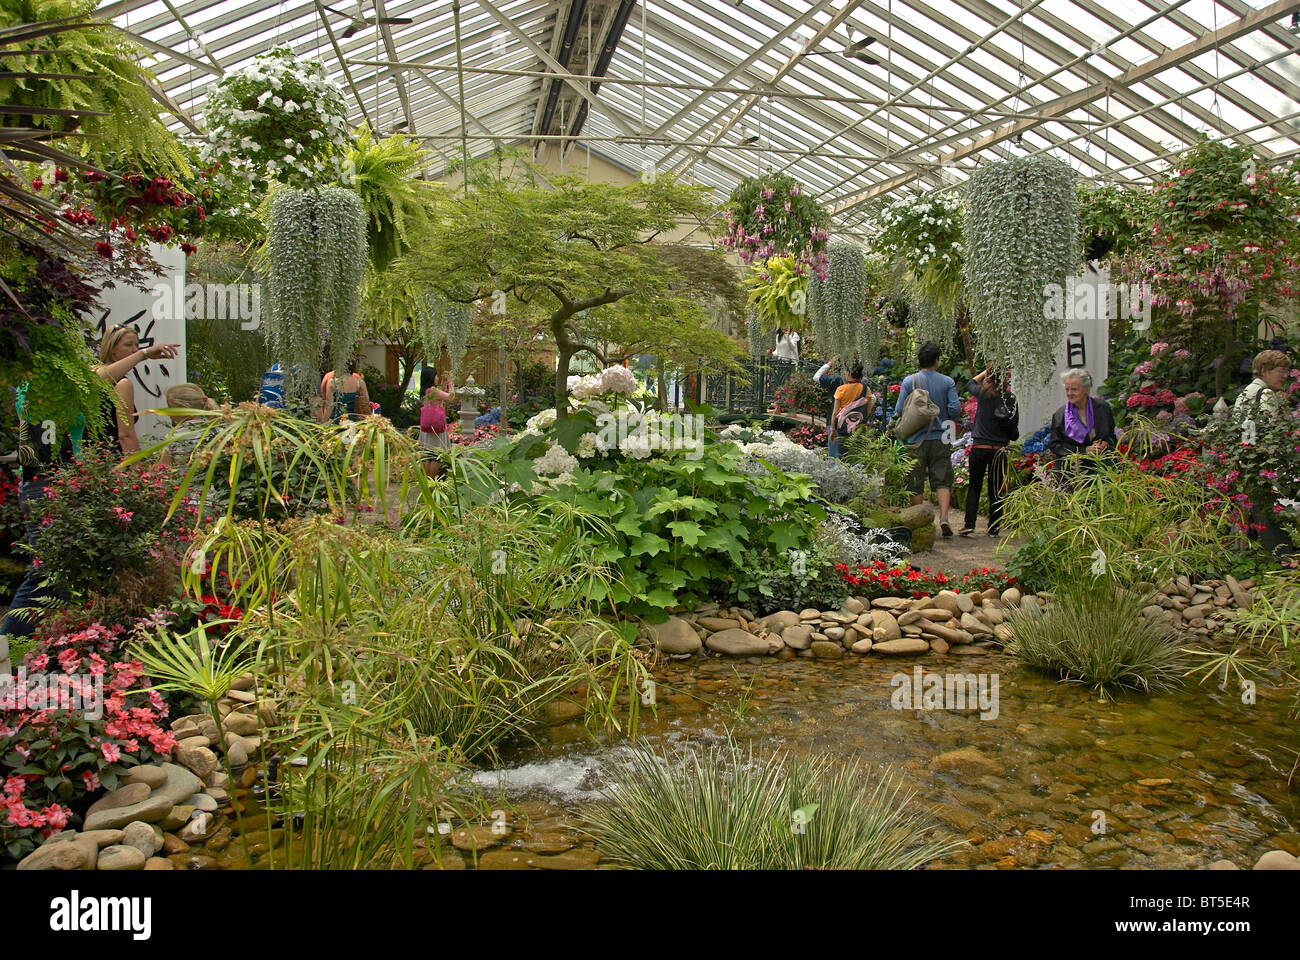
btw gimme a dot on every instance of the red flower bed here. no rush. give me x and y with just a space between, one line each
882 580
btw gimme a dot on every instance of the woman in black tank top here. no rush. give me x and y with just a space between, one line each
119 352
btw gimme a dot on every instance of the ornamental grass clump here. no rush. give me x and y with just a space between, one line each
723 808
1095 634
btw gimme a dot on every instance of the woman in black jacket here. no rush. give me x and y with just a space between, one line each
997 423
1085 424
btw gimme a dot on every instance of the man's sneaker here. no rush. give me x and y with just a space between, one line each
946 527
966 531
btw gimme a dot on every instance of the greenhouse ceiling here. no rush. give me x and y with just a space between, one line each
861 101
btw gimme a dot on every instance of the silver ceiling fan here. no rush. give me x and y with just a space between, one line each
359 23
853 50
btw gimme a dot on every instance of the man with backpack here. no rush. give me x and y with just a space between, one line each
853 402
927 402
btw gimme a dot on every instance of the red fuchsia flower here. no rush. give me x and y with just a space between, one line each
189 249
38 184
104 248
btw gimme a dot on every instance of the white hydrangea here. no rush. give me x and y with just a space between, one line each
636 446
613 379
589 445
556 460
542 421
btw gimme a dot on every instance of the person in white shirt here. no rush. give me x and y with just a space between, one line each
1272 369
787 345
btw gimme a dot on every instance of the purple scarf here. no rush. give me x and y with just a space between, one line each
1075 428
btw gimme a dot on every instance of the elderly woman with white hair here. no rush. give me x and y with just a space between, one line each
1086 424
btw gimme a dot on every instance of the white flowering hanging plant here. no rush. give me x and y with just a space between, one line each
1022 235
279 119
921 241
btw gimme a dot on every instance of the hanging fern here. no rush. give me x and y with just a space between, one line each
396 202
1022 234
778 293
316 257
837 303
91 69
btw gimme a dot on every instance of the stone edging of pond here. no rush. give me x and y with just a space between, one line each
948 622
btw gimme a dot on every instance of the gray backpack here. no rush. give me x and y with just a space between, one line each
918 412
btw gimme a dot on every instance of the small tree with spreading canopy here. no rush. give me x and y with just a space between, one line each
582 258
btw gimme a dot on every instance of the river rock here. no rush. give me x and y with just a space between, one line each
236 754
834 633
159 863
180 783
177 818
777 622
197 828
101 838
675 635
991 594
973 624
201 801
716 624
153 776
199 759
854 606
143 837
797 637
910 617
244 724
1011 597
965 603
71 854
935 614
901 647
884 621
862 646
120 857
121 797
890 603
1239 596
939 645
810 613
1277 860
477 837
827 649
737 643
946 600
1003 632
151 809
964 760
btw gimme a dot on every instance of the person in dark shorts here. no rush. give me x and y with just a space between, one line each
931 446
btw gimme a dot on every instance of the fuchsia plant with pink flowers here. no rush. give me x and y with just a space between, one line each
1222 248
772 216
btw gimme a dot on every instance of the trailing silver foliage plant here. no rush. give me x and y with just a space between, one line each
459 320
836 304
760 341
1022 234
929 321
315 261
